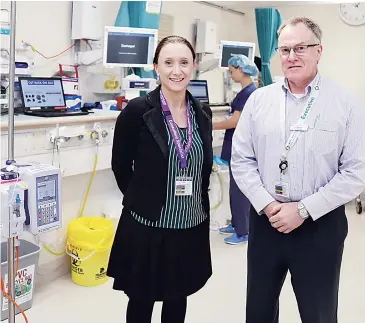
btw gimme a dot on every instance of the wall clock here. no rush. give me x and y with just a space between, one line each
353 13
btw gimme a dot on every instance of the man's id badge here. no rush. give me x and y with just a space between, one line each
184 186
282 189
299 127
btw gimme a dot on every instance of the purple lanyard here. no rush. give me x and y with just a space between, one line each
182 153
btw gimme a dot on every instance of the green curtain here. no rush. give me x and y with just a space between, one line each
268 21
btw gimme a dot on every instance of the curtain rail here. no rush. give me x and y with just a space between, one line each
210 4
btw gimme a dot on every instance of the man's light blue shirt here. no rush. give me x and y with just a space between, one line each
326 165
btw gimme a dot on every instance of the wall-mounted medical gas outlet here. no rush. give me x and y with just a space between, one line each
67 132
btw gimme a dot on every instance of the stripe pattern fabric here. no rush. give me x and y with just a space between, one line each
182 212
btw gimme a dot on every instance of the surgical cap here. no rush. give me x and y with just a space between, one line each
248 66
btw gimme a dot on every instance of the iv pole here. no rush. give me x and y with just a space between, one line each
11 241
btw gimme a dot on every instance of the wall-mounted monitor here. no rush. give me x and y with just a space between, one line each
230 48
129 47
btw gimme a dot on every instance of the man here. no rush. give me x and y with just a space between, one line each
299 156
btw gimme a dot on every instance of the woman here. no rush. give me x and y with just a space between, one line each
162 160
241 69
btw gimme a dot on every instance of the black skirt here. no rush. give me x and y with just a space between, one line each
159 264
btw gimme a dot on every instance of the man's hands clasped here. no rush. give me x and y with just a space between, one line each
284 216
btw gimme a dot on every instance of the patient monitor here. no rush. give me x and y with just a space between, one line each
129 47
199 90
230 48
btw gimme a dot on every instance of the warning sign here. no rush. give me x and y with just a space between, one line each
24 281
76 263
101 274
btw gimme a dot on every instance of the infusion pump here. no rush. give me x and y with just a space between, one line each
44 198
35 194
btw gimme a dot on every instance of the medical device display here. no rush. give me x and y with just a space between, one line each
144 84
230 48
43 203
34 197
199 90
129 47
41 92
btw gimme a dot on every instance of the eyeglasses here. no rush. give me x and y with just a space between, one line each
285 51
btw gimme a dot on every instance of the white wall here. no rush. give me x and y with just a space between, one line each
230 26
343 57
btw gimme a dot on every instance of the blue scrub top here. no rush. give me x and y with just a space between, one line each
238 104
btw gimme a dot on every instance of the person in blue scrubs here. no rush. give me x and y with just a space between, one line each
241 69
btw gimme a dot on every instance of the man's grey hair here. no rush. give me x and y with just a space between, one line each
316 30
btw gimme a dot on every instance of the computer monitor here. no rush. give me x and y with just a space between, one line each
199 90
42 93
129 47
230 48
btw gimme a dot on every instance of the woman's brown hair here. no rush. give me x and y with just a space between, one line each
172 40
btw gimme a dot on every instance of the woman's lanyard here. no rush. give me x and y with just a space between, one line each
182 153
297 128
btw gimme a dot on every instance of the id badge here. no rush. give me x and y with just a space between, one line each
282 189
184 186
299 127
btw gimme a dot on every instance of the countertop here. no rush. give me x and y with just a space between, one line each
22 121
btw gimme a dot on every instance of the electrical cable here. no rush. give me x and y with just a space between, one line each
81 213
54 56
57 254
215 170
87 42
58 155
216 207
53 149
98 61
94 135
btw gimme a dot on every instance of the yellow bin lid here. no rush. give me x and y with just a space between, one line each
91 232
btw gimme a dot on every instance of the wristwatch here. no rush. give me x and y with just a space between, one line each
303 213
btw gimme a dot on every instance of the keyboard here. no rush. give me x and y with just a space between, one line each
54 114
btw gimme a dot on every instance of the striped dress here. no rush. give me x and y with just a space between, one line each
182 212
